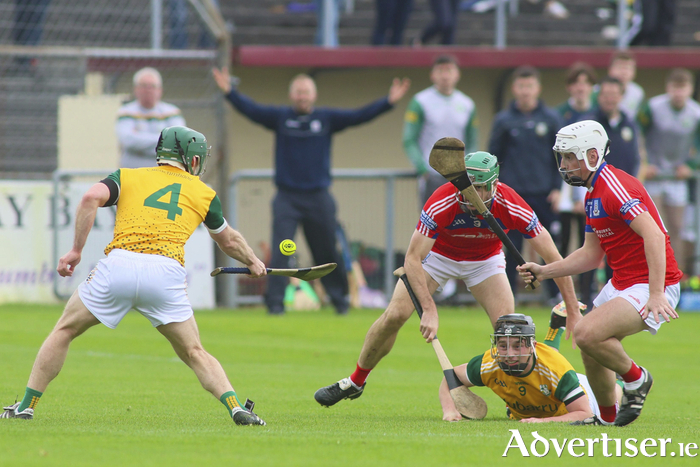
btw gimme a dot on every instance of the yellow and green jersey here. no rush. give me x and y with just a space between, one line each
543 392
158 209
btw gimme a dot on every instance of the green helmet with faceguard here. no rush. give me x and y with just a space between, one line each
483 170
185 146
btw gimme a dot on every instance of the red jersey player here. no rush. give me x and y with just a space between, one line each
622 223
452 241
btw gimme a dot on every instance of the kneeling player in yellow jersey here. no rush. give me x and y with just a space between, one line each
535 381
158 209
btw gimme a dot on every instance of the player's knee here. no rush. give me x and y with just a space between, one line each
585 336
68 331
192 354
395 316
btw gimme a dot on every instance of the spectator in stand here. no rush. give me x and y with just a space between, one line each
437 112
27 28
622 131
652 23
140 121
580 80
623 66
552 8
392 16
671 126
303 136
444 23
579 85
522 137
179 21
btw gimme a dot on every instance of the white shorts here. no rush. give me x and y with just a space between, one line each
441 269
674 192
638 296
592 402
154 285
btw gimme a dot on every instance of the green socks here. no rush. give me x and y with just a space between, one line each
31 399
553 338
557 324
230 400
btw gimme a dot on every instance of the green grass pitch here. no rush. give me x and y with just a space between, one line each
124 399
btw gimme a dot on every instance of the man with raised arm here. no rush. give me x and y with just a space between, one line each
303 137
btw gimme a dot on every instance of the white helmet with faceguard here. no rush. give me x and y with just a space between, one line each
513 339
577 139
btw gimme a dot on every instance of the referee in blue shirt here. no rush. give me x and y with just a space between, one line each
303 135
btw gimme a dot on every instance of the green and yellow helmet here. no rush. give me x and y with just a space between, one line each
185 146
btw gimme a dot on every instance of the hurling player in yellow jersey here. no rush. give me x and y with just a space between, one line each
534 380
158 208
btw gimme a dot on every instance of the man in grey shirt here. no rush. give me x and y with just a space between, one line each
140 121
671 126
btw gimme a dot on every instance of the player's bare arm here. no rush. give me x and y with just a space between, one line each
655 252
545 247
234 245
94 198
584 259
579 409
418 248
449 410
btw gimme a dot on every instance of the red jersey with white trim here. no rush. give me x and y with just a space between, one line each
461 236
614 200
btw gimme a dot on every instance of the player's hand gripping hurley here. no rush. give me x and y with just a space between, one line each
306 274
447 158
468 404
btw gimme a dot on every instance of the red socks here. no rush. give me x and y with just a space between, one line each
360 376
607 414
633 374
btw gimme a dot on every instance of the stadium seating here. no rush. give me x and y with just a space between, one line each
269 22
29 96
